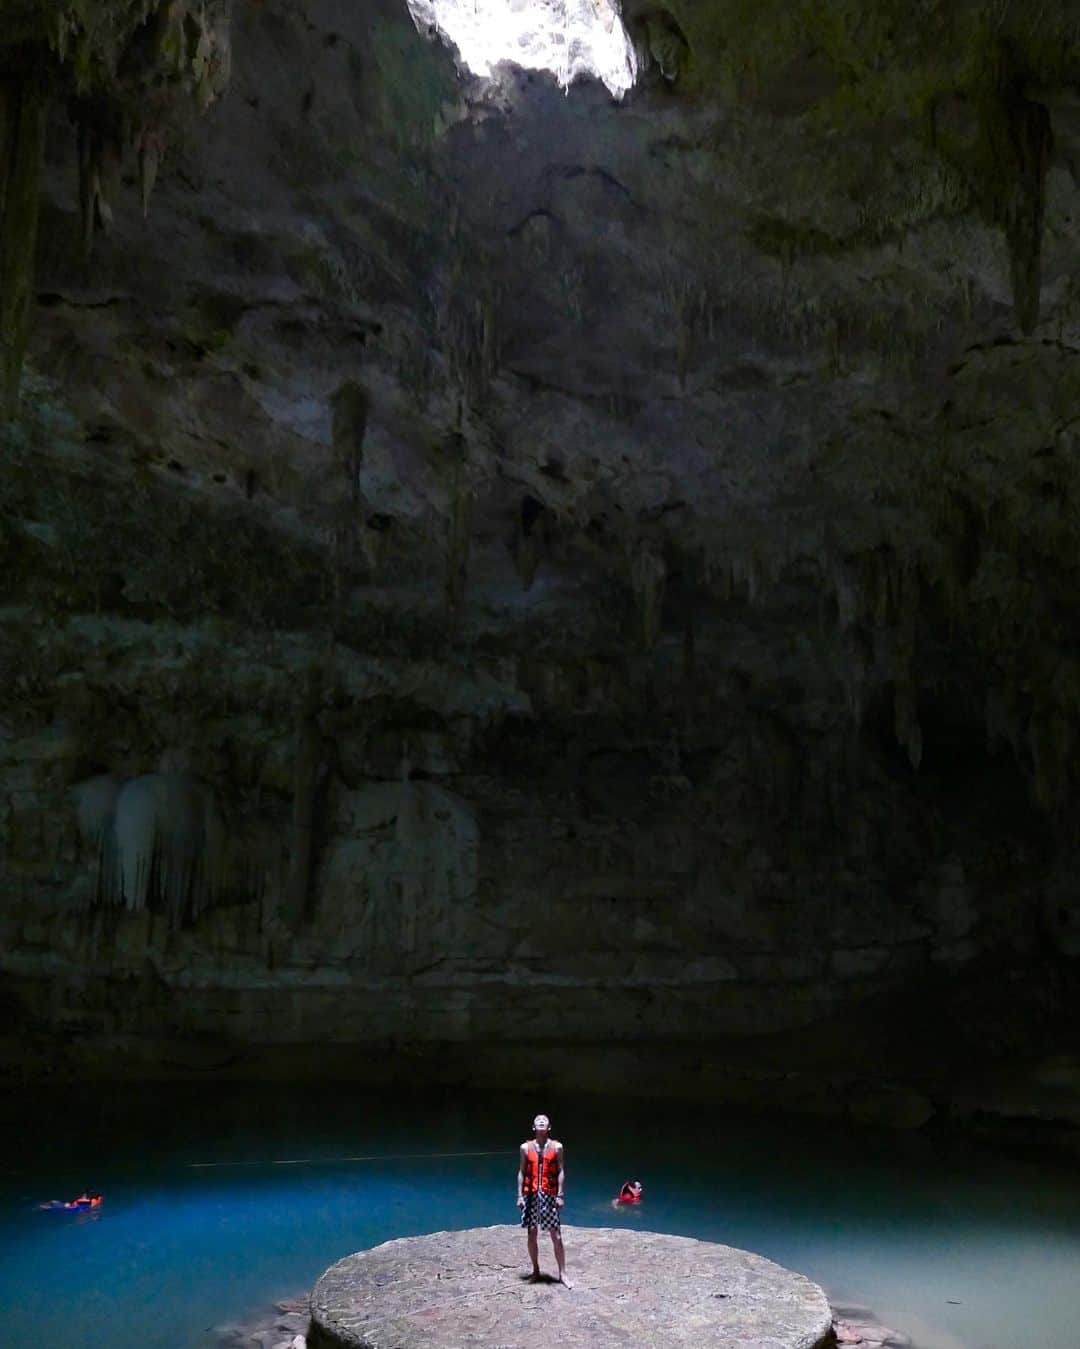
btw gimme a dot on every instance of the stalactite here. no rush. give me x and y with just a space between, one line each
160 841
903 590
149 149
1043 760
119 65
348 426
350 404
1030 134
1004 154
409 831
847 595
683 350
308 753
689 655
1016 146
489 335
23 111
659 38
1000 718
744 575
95 805
649 577
459 523
689 307
529 541
856 674
95 802
471 335
688 677
99 153
125 72
906 721
375 540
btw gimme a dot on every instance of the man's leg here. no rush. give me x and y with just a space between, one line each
534 1254
560 1257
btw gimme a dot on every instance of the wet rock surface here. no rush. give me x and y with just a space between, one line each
283 1327
855 1325
453 1289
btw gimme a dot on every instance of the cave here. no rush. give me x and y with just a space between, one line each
540 555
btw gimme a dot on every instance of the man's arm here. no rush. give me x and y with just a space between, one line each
559 1199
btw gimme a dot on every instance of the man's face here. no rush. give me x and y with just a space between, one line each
541 1126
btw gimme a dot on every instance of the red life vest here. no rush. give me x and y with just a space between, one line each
540 1177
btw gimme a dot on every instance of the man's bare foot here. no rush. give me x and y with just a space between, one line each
534 1277
564 1280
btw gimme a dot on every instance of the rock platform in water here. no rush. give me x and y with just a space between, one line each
455 1289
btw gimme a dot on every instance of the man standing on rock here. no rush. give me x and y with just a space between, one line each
541 1182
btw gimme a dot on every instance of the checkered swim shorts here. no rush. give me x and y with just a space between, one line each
541 1211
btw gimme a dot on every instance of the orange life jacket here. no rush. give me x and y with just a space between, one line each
540 1177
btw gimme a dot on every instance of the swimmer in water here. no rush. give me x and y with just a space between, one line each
631 1193
84 1201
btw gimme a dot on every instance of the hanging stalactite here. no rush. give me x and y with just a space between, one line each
1032 141
159 841
24 100
1001 141
648 576
306 764
99 152
348 426
349 416
459 523
1019 141
688 674
470 328
121 68
529 540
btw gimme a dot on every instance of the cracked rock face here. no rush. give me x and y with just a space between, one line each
596 569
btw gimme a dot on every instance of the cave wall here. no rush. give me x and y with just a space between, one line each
584 574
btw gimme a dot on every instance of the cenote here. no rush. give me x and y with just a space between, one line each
539 545
220 1200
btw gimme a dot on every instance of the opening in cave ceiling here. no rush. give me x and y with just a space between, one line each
571 38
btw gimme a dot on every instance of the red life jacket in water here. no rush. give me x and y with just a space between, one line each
543 1177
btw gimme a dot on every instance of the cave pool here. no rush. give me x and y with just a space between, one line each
220 1199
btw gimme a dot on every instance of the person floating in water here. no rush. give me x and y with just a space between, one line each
630 1193
84 1201
541 1184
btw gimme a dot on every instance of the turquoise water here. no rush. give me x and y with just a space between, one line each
960 1246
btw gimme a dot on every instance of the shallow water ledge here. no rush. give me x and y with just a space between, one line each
454 1288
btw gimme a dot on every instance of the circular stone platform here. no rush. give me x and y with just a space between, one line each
456 1289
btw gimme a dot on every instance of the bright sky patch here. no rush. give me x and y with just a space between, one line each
571 38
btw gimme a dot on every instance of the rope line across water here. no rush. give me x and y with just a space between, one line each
373 1157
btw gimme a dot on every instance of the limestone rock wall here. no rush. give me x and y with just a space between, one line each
485 567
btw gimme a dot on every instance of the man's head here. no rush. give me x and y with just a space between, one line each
541 1126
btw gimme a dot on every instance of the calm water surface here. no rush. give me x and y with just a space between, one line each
960 1246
